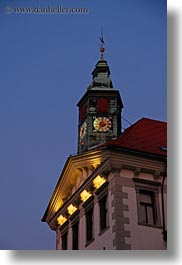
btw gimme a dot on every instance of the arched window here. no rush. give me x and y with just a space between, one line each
102 105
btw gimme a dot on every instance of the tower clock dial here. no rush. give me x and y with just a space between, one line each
83 130
102 124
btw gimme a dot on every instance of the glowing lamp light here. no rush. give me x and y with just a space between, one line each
99 181
71 209
85 195
61 219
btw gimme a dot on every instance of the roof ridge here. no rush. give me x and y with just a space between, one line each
150 119
135 126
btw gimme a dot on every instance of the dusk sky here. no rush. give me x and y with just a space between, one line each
46 62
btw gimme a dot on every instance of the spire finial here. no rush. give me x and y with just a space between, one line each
102 43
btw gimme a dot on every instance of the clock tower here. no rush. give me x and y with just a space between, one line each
99 109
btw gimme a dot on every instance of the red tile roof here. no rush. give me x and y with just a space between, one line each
146 135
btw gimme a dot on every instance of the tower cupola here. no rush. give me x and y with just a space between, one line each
99 108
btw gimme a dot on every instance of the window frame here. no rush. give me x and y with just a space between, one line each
74 218
75 230
64 232
151 188
89 225
149 208
89 208
102 194
103 213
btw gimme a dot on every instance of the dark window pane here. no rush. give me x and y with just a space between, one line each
146 197
75 236
64 241
89 225
103 213
143 213
150 214
92 105
147 207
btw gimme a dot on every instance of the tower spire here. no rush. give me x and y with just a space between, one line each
102 49
99 108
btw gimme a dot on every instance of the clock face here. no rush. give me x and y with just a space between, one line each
83 130
102 124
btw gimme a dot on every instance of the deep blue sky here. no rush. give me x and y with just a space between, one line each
45 67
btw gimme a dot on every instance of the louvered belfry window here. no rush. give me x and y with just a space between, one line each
102 105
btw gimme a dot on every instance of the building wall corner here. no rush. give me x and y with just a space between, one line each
118 218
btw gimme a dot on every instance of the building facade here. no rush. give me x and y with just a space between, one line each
112 195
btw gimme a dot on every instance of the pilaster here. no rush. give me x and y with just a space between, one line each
118 218
58 239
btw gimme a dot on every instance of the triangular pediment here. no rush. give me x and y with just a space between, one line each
77 169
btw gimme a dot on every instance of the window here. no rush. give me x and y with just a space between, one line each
88 205
102 105
102 197
64 241
92 105
103 213
75 236
89 225
83 112
147 207
147 196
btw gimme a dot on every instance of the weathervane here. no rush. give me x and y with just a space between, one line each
102 49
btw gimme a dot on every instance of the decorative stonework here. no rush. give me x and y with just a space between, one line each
121 186
118 229
137 171
156 175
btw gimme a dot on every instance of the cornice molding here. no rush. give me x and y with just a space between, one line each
97 161
75 196
91 159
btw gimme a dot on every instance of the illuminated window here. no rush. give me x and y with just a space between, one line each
102 105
